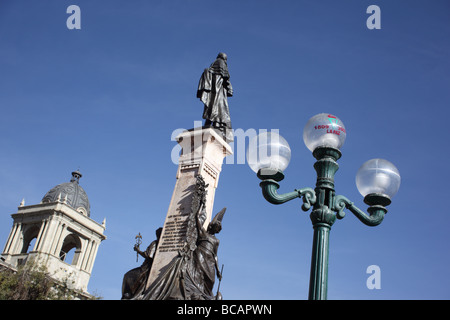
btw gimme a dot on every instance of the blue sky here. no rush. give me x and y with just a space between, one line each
107 98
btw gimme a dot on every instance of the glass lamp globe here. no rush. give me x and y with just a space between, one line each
378 176
324 130
268 152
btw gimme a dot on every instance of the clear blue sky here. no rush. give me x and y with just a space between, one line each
106 99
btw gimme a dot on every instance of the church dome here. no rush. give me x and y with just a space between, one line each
70 193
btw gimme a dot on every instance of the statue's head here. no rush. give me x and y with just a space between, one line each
222 55
216 224
214 227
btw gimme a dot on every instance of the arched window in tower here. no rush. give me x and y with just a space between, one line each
29 239
71 249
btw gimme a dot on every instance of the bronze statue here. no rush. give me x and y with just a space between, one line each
134 281
191 275
213 89
204 265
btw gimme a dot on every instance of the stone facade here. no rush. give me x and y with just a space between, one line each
47 232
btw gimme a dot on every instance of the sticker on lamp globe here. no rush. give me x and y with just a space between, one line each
324 130
333 127
333 120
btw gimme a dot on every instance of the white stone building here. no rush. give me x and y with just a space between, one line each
59 233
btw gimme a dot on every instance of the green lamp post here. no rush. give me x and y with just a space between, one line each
377 180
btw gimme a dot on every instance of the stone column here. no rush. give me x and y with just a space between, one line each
203 151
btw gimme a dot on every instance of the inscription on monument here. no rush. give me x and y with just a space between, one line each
174 233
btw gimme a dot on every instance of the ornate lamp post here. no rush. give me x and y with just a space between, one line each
377 180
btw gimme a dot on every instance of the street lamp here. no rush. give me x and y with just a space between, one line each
377 180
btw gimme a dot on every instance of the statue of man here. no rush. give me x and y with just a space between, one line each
213 89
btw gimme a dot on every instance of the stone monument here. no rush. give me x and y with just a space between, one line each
203 151
185 262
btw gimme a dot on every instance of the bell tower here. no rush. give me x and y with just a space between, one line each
59 233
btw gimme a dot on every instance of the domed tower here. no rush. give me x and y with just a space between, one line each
70 193
59 233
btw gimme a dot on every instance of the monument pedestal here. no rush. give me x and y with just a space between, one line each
203 151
